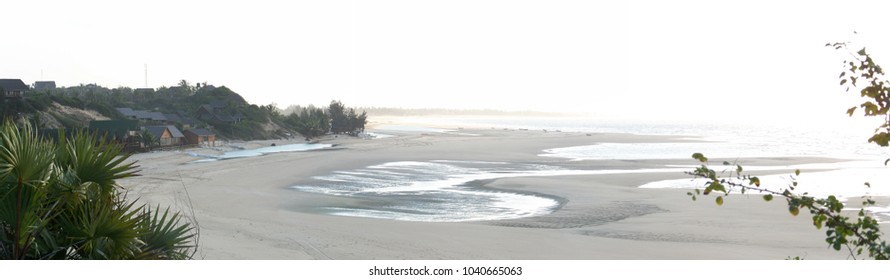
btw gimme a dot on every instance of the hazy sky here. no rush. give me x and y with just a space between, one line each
667 59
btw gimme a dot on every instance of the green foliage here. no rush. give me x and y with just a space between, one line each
148 139
310 122
860 235
185 99
61 201
875 90
345 120
314 122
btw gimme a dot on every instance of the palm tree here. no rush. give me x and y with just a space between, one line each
61 201
148 139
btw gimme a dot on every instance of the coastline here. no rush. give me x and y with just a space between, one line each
246 210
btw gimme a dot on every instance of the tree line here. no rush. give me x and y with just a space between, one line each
185 98
312 122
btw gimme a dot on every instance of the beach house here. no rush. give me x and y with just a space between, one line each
169 135
44 85
200 136
13 89
116 130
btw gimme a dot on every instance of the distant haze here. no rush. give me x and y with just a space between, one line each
745 60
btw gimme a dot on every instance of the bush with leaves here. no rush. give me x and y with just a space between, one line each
860 234
60 200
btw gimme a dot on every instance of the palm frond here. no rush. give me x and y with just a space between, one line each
104 231
95 160
164 235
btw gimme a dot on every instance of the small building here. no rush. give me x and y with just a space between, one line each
127 112
172 118
44 85
205 112
13 88
118 130
169 135
200 136
181 120
149 116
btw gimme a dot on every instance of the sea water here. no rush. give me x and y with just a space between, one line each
261 151
442 191
435 191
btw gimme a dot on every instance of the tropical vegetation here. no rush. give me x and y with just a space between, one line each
185 99
61 200
313 122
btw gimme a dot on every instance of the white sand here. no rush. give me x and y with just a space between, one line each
246 211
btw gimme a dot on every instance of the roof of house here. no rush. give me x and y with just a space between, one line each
13 84
157 116
142 114
158 130
201 132
44 84
224 118
190 121
206 107
127 112
114 128
148 115
175 132
173 117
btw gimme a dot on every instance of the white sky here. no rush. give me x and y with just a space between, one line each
741 60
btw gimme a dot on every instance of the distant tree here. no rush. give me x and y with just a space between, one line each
148 139
186 86
345 120
338 117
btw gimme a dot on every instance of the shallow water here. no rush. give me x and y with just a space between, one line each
435 191
261 151
445 191
442 190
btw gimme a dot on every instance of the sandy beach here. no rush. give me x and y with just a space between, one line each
246 209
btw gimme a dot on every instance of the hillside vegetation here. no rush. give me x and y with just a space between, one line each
74 107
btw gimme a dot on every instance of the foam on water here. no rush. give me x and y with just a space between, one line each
375 135
260 151
432 191
438 191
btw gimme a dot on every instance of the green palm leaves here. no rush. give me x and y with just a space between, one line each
61 201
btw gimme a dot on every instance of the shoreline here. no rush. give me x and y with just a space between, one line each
247 211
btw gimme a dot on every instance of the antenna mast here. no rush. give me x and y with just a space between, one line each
146 75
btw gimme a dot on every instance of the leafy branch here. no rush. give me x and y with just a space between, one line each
861 67
860 235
